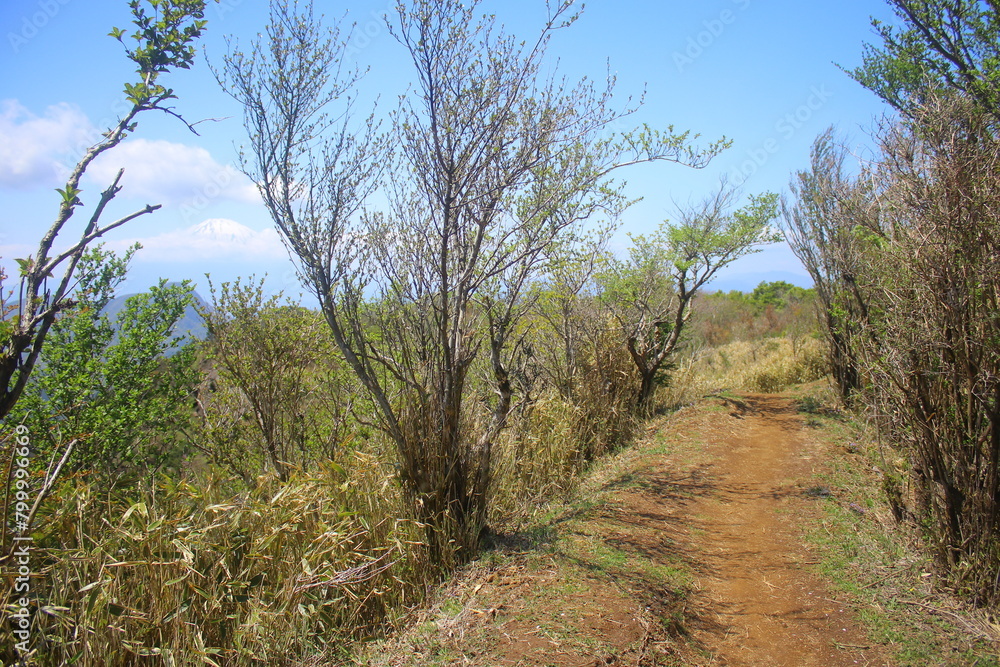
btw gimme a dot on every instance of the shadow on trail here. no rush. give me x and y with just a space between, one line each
644 531
650 519
648 524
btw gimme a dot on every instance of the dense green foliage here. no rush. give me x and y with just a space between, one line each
107 385
941 45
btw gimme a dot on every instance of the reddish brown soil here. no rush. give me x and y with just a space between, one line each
727 502
761 601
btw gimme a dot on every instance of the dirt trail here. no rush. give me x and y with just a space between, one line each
761 602
688 552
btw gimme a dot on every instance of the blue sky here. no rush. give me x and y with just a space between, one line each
761 73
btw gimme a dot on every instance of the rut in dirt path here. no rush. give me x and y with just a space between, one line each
758 601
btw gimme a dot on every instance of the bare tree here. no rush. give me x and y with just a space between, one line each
495 162
935 352
819 226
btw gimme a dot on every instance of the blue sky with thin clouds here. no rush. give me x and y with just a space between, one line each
759 72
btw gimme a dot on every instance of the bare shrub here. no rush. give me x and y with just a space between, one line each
933 351
819 224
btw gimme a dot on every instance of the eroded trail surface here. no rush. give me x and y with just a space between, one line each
760 602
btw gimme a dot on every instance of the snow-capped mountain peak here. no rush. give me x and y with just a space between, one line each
223 229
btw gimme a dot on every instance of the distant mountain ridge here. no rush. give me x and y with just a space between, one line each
189 324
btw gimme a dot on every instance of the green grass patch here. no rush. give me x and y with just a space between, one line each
880 564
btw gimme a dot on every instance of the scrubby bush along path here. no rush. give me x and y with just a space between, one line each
686 550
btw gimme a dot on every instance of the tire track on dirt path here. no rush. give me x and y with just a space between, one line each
759 603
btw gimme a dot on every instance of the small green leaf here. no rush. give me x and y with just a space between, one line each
69 195
89 586
177 580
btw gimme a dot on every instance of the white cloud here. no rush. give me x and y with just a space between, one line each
39 151
34 149
165 172
212 239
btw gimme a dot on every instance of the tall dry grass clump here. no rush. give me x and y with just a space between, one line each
186 573
768 365
566 427
603 395
536 461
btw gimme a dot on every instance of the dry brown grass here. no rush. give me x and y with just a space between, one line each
192 574
199 571
770 365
